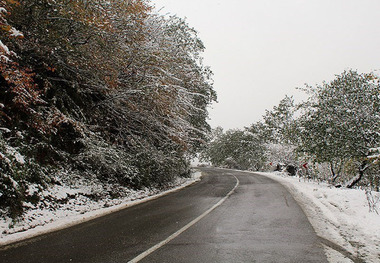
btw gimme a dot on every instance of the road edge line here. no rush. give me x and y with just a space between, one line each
184 228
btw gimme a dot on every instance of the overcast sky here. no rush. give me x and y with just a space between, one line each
261 50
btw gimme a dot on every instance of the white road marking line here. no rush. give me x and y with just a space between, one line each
183 229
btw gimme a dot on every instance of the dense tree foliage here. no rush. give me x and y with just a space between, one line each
110 88
341 122
278 123
238 149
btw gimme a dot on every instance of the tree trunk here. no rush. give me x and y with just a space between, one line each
364 166
333 175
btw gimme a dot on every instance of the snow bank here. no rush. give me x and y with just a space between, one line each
37 221
340 216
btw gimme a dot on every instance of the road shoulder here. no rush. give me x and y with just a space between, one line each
340 217
59 221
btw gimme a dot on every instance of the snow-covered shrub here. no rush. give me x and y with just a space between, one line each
158 168
17 174
109 163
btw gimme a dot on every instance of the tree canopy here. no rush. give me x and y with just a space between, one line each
341 121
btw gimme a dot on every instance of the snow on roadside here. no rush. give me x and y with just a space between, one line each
339 215
76 208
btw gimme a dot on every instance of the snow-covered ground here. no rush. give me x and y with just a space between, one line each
341 217
71 211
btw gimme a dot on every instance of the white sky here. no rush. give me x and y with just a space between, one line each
261 50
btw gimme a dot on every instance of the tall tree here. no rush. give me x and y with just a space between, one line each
279 122
239 149
342 121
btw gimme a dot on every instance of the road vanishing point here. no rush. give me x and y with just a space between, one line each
229 216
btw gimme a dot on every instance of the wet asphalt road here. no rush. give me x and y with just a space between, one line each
259 222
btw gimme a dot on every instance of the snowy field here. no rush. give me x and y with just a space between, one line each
72 211
342 218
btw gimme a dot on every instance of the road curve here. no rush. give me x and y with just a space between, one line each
227 217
